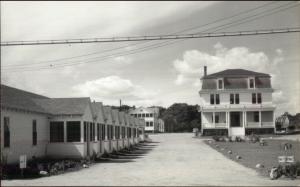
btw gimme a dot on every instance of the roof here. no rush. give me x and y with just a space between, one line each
64 106
235 73
20 99
122 118
115 114
98 111
108 114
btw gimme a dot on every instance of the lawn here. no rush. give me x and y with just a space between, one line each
253 154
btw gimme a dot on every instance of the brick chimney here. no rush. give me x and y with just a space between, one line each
205 70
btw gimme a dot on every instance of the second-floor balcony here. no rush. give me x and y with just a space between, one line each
236 106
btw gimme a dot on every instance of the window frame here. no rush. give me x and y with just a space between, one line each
71 137
237 98
217 99
259 98
34 132
231 98
212 99
220 86
59 137
6 132
249 83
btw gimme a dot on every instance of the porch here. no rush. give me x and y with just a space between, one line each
236 119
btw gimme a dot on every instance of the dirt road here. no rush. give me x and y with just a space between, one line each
178 159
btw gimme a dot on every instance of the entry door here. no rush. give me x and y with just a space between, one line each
235 119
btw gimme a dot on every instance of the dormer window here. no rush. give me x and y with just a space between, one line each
251 83
220 84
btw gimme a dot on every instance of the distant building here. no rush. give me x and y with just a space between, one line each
150 115
236 102
161 125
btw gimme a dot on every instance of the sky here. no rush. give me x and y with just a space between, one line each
167 72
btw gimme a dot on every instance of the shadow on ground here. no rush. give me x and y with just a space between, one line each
128 154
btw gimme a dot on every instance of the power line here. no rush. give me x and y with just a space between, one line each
230 34
153 46
158 37
96 40
193 28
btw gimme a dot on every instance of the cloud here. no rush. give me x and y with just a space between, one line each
113 88
189 69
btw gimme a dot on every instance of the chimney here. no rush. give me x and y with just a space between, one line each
205 70
120 103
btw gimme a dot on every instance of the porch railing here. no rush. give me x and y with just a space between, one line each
216 125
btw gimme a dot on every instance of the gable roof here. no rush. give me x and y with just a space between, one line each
64 106
108 114
122 118
235 73
98 111
20 99
116 116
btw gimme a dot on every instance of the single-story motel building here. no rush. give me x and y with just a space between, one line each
38 126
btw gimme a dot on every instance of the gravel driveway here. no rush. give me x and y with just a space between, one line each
178 159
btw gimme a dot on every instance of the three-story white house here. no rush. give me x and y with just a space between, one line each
236 102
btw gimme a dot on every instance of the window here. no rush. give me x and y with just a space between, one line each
216 118
259 98
147 123
220 84
253 98
251 83
135 115
256 116
143 115
139 115
217 99
98 131
147 115
237 99
73 131
56 131
123 132
85 131
151 115
212 99
151 123
92 132
6 132
34 132
231 98
128 132
103 132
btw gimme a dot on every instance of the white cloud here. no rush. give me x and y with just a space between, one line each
110 89
190 68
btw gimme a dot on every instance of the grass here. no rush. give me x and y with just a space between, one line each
253 154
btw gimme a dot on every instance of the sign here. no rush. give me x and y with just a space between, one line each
286 159
23 161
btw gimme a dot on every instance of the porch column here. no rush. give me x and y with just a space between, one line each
226 119
260 118
202 126
246 119
114 132
65 131
106 131
214 119
229 119
81 132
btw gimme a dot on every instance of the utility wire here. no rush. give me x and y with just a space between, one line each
145 49
189 29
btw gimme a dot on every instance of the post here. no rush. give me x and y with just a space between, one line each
214 119
260 119
246 123
81 132
65 132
